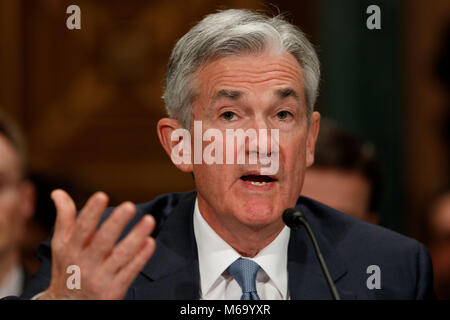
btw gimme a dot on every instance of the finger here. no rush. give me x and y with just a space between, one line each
128 273
106 237
65 215
129 247
88 219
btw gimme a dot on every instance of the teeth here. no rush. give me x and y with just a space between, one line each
258 183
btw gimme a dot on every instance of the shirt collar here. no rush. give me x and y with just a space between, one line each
215 255
273 260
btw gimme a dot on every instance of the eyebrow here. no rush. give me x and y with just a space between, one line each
286 93
283 93
228 94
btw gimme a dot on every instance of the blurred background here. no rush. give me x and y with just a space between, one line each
88 100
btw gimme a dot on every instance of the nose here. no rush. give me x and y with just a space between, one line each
262 146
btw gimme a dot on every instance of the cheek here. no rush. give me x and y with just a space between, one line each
211 178
9 212
9 203
294 155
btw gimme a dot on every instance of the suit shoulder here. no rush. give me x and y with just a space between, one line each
159 208
347 230
404 262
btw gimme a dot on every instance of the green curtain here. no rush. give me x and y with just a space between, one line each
361 86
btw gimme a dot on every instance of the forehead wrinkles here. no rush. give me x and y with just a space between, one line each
248 73
249 70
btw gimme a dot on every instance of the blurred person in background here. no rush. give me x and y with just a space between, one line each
27 213
16 207
345 175
437 221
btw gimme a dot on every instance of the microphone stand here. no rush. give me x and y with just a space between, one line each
293 218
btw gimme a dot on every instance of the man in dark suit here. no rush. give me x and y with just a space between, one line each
349 247
251 79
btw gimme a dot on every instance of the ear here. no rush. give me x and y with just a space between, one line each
311 139
28 199
174 138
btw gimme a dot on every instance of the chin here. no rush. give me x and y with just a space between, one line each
260 213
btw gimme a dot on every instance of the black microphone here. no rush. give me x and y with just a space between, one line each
294 218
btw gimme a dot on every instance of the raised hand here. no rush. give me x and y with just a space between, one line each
107 269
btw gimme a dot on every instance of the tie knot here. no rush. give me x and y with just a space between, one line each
244 272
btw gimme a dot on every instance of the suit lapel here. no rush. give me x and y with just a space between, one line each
172 272
306 280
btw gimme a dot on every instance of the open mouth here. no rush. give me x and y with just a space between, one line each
257 180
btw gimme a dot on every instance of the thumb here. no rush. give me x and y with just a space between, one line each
65 214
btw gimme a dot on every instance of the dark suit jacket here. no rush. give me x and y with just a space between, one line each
348 245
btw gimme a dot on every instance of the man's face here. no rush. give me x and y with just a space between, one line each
253 92
14 200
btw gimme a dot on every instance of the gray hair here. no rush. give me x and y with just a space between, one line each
233 32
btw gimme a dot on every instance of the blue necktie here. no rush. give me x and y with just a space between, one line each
244 272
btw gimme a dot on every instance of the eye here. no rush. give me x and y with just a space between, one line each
283 115
228 116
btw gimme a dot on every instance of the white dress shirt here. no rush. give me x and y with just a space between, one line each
215 256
